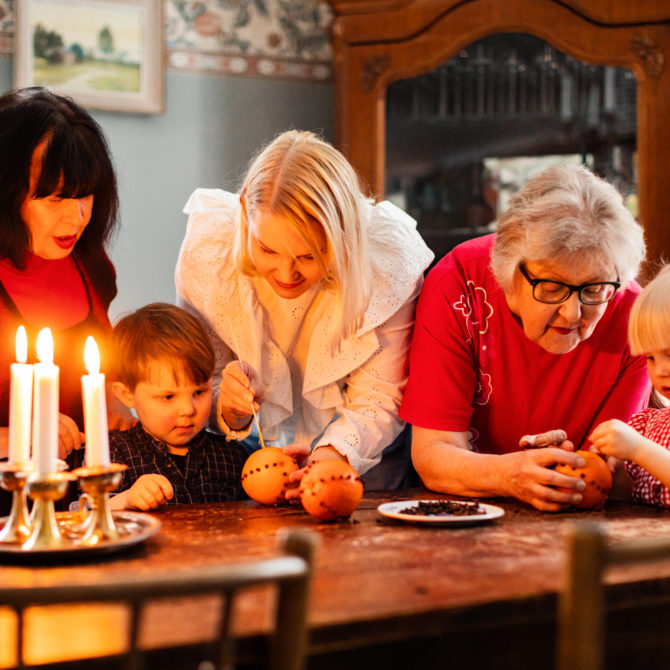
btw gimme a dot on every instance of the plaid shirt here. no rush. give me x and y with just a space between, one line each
212 472
655 425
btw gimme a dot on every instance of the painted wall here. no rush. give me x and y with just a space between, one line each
212 126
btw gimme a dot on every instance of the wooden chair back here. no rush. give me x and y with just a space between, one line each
581 614
290 572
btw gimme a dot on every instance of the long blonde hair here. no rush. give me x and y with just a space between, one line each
309 184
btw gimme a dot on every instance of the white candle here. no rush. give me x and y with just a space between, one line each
95 408
45 407
20 402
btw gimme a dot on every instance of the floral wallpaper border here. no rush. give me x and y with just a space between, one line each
282 39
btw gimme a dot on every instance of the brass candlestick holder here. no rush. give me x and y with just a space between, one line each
18 526
97 482
47 533
61 466
45 490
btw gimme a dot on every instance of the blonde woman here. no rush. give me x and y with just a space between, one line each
308 289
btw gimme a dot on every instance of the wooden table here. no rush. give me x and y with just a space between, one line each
395 595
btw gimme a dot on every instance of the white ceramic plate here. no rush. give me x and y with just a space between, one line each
396 510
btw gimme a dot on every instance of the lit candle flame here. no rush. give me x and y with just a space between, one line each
45 346
21 345
91 356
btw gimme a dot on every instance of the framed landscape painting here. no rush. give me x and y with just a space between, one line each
106 55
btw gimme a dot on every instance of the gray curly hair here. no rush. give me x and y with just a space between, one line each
562 212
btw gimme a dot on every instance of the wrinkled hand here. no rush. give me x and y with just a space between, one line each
550 437
616 438
149 492
69 437
239 388
528 476
301 453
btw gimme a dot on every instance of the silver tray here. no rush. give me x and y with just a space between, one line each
133 528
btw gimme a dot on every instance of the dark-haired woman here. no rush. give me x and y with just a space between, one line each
58 208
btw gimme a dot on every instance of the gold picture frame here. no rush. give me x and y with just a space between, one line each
106 55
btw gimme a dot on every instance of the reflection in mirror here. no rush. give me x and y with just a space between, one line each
462 139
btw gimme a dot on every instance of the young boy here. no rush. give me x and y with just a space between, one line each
163 365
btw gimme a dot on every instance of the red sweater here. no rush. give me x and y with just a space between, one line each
473 369
72 297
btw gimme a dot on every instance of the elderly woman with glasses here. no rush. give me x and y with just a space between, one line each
524 332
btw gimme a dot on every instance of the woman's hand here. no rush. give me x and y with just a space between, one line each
119 417
445 463
618 439
556 437
69 437
528 476
301 453
148 492
120 420
237 395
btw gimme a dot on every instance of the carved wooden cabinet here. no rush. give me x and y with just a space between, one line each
378 42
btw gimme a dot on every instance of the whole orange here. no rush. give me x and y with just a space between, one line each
596 475
330 490
265 475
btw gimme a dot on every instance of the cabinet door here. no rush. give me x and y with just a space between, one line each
381 41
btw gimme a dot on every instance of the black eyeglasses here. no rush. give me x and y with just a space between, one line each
553 292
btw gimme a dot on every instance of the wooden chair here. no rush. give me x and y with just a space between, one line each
581 614
286 650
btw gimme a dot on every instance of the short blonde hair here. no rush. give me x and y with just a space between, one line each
562 212
159 332
649 321
311 185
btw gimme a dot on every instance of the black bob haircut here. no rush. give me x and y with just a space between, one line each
75 164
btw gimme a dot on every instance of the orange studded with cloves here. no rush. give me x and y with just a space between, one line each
330 490
596 475
265 475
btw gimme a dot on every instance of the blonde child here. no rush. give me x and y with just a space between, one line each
644 442
163 366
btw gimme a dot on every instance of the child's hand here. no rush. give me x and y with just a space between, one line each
616 438
148 492
237 392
